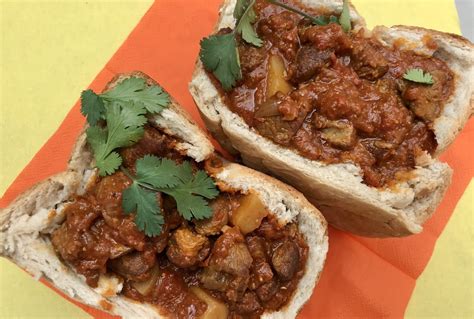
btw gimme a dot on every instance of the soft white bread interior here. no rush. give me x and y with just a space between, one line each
27 222
338 189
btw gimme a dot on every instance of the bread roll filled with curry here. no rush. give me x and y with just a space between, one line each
149 222
353 118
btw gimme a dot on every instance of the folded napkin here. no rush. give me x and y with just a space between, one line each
367 278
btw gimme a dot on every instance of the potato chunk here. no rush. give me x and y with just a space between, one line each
339 134
248 216
276 77
145 287
342 136
215 308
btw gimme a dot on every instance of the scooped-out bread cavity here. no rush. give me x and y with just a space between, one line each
26 223
338 189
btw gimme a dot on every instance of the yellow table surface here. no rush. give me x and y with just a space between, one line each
50 51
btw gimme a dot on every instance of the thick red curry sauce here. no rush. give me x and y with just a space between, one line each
249 274
344 99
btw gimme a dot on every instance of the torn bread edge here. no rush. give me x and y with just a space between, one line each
338 190
26 223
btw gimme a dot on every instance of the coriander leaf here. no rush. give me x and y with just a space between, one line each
154 99
124 127
219 55
246 16
144 203
133 115
202 185
97 138
92 106
240 7
189 190
185 173
247 31
135 90
109 164
126 89
124 108
321 20
418 76
190 206
345 17
199 183
157 172
333 19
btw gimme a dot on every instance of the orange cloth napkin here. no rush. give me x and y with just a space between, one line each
363 277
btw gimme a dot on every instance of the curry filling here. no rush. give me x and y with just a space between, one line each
238 263
338 97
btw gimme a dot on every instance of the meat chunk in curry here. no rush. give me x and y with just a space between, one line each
244 271
349 81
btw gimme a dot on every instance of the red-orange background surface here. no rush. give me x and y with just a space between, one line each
363 277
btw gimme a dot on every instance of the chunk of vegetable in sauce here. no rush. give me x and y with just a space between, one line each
215 308
268 108
277 77
146 287
248 216
339 134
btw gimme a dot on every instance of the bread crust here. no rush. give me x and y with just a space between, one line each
458 53
337 189
25 223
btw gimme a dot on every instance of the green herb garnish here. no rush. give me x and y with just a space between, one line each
131 91
220 56
345 17
116 120
92 106
177 180
245 16
219 53
123 108
418 76
319 20
148 217
124 128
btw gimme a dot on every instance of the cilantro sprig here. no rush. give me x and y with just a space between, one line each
318 20
155 174
418 76
124 128
116 120
245 16
132 91
345 17
219 53
124 110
